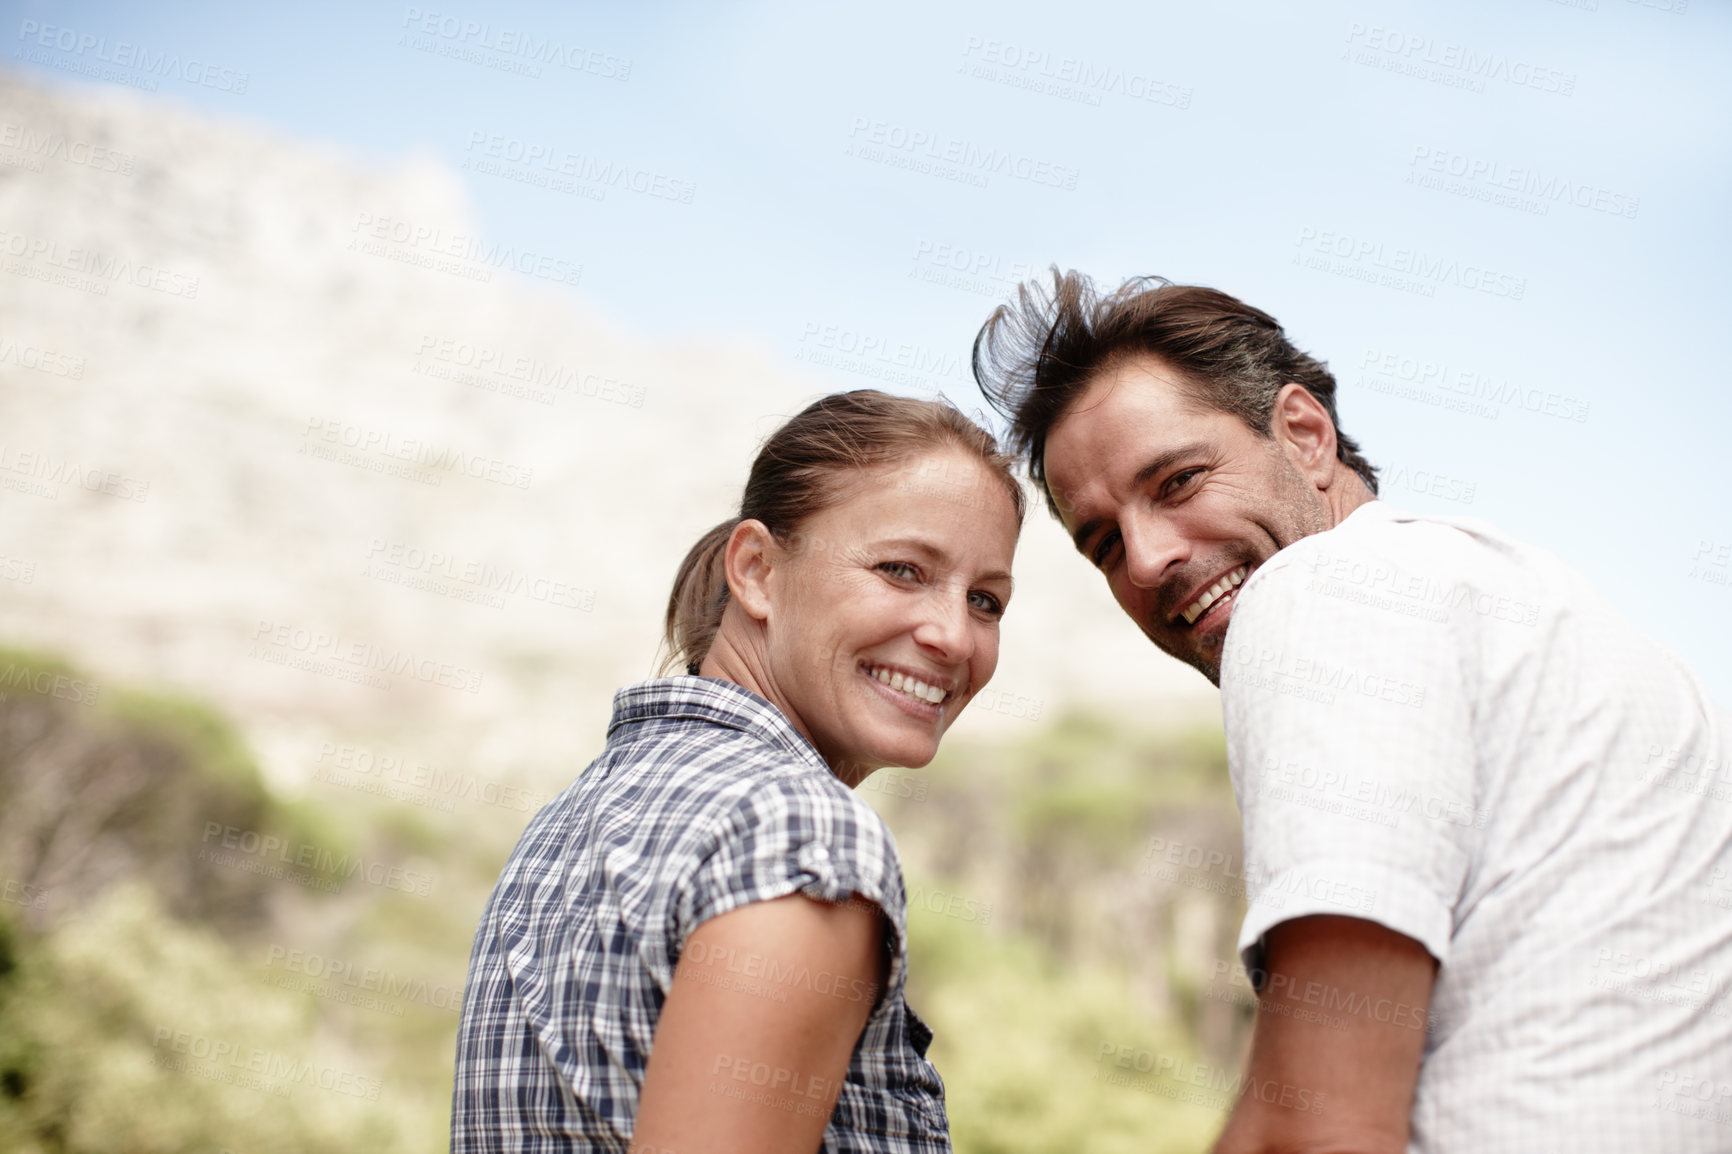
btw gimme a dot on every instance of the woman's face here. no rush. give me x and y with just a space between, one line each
884 609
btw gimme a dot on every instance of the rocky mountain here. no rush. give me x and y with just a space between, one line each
280 426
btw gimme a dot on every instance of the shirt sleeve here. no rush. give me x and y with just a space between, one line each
797 834
1349 736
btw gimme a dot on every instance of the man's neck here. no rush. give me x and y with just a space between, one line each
1345 493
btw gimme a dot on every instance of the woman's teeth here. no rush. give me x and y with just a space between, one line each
1214 593
912 686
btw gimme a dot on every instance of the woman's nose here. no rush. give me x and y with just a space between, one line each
944 628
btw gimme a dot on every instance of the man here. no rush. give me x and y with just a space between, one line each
1488 826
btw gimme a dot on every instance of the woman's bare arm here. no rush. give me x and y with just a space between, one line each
755 1037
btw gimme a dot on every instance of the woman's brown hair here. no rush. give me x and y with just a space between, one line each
804 468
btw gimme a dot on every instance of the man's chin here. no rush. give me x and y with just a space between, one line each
1205 657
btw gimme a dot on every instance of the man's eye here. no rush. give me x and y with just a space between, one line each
1104 548
1179 480
986 603
901 570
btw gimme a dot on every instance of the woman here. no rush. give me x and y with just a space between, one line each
700 946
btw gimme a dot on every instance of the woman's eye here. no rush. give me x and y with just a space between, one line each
1104 548
986 603
901 570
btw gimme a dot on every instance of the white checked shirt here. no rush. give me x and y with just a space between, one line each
704 800
1441 730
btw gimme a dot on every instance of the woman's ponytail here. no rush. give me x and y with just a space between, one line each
699 596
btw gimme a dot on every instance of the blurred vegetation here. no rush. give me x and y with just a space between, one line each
190 963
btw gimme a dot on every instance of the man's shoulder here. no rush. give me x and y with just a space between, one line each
1379 547
1388 588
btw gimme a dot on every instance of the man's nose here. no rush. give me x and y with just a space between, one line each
1152 548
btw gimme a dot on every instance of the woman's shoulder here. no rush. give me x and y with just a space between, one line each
736 776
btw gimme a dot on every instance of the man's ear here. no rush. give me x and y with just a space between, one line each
1302 427
750 563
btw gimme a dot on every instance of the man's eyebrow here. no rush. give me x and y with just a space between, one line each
1156 465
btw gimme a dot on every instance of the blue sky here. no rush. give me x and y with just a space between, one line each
1505 225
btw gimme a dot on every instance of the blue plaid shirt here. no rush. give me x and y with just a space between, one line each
705 799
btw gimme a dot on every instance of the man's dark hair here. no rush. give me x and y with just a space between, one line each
1033 358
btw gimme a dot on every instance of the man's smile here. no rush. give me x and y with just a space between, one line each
1219 593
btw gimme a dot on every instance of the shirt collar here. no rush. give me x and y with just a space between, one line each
1377 509
717 702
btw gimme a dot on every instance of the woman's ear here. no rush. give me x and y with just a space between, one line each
750 562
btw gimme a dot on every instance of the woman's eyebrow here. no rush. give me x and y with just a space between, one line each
937 553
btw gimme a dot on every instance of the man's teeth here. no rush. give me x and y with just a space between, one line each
1214 593
912 686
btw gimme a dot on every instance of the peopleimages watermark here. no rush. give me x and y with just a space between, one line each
1199 1083
1315 678
1008 703
969 270
876 356
26 894
50 362
359 446
763 1084
1447 63
121 60
90 270
1692 1093
368 987
448 575
459 254
1401 268
1717 890
1385 585
897 783
1064 77
1362 796
22 676
1657 980
1712 562
1194 865
1688 771
400 778
252 1067
305 863
27 147
952 158
562 170
516 374
1428 482
315 649
40 474
949 904
760 975
503 47
1322 1002
17 569
1521 187
1434 381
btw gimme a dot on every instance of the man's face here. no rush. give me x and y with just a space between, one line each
1177 504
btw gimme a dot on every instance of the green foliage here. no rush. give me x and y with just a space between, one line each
126 1030
1020 1043
143 1006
